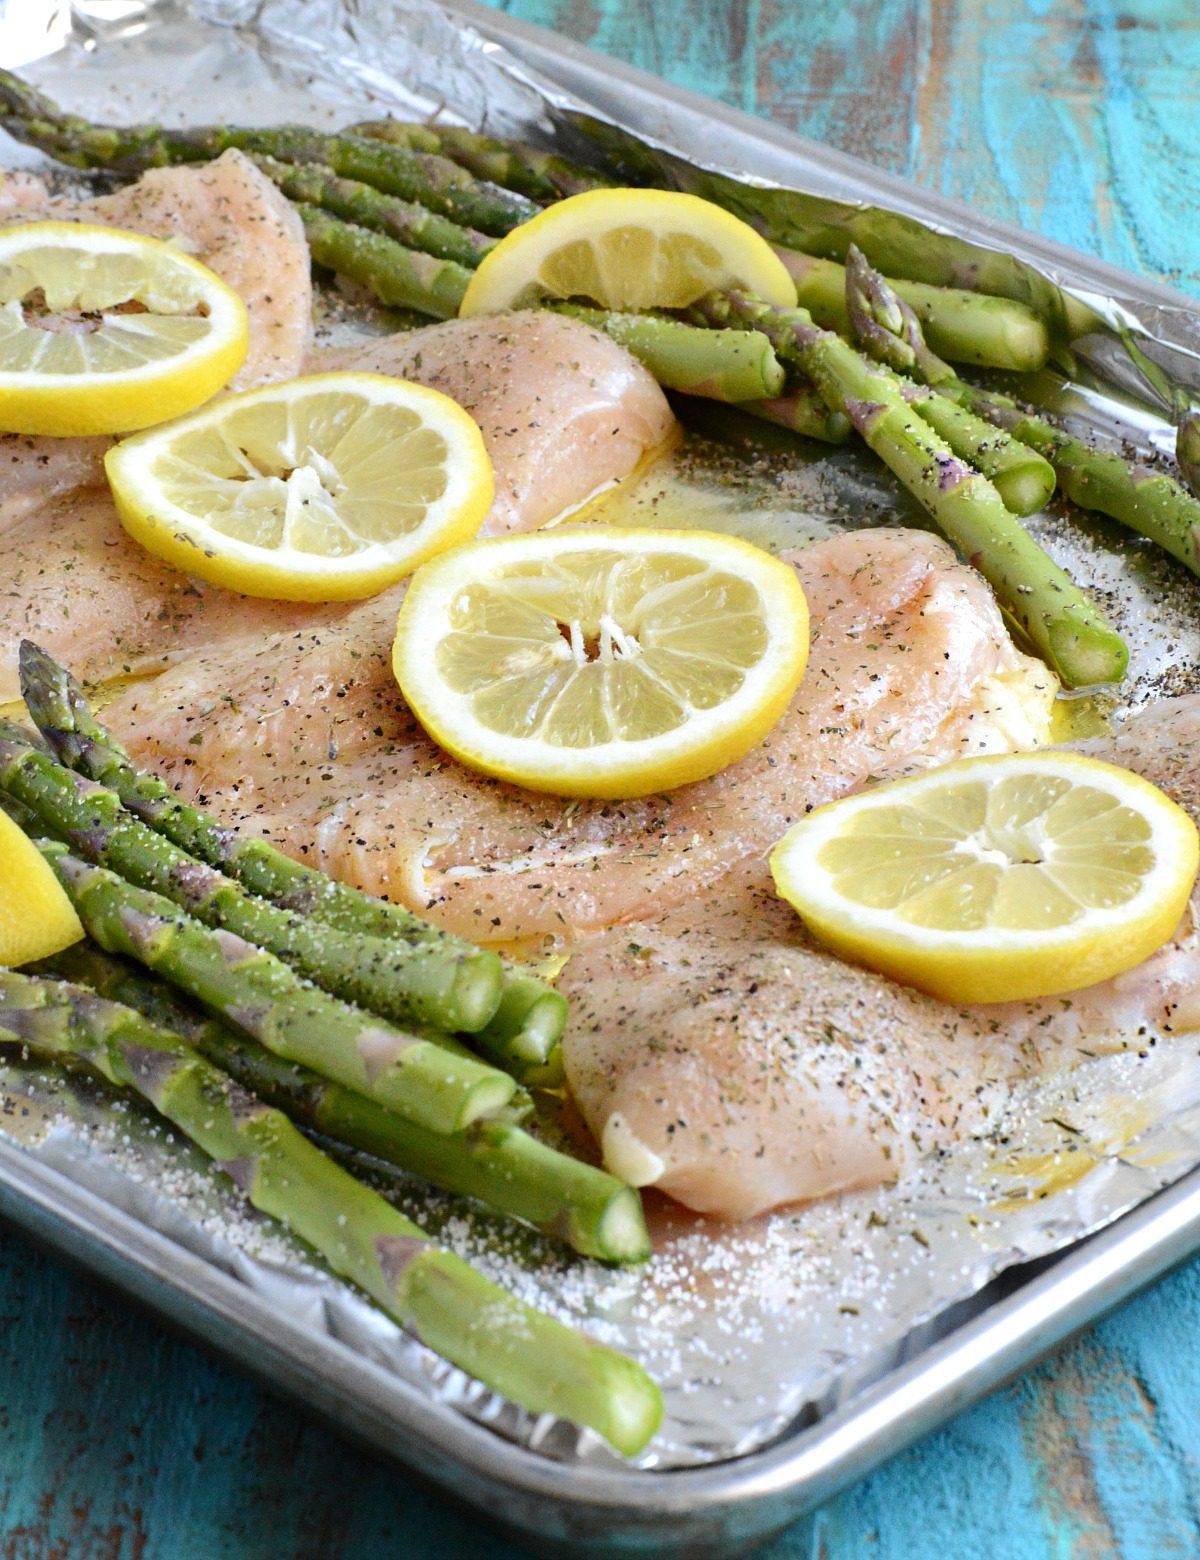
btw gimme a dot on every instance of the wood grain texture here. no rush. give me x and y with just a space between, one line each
119 1442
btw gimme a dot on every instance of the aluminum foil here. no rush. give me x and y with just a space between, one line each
754 1330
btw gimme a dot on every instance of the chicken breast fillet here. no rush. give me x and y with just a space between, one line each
564 411
718 1054
99 602
305 738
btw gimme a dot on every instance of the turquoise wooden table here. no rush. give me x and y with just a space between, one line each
1078 118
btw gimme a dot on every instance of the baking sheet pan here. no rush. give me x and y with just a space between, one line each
727 1506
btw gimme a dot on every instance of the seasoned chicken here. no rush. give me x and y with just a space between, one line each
304 738
103 605
564 410
718 1054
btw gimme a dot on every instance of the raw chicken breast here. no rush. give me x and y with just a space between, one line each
564 410
718 1054
33 470
104 606
230 216
305 738
87 593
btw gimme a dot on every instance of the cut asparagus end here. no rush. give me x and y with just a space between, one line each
1023 342
621 1234
524 1033
549 1074
492 1094
1088 654
529 1357
1026 489
478 988
635 1406
541 1028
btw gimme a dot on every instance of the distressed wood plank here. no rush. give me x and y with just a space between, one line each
120 1442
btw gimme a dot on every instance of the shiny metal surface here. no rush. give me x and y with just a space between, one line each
719 1511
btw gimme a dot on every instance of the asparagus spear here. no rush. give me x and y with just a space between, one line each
527 1356
416 1077
543 176
681 356
1147 501
433 181
435 983
1023 478
887 326
883 323
802 410
492 1161
403 220
400 277
1057 616
60 711
969 327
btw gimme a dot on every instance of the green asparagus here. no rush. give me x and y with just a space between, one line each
969 327
432 181
886 326
803 411
58 708
727 365
542 176
1057 617
447 1305
495 1162
681 357
1149 502
402 220
416 1077
436 984
400 277
1023 478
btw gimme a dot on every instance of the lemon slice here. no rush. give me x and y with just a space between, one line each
321 489
627 249
104 332
995 878
36 917
600 662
